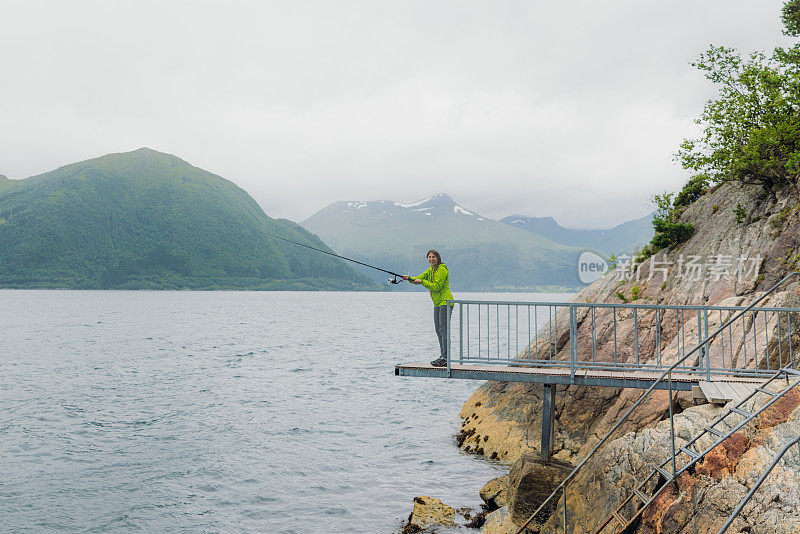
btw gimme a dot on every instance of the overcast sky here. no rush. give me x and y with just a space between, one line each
564 109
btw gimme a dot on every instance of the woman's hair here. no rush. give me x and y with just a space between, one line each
435 253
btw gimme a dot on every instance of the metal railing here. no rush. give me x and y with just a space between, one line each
764 475
702 345
625 337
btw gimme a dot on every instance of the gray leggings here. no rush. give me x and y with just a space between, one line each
441 316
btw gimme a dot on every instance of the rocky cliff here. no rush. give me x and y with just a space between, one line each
745 240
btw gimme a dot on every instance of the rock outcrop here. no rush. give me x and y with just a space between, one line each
705 496
429 512
495 493
502 420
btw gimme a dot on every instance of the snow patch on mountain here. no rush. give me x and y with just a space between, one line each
458 209
413 204
352 206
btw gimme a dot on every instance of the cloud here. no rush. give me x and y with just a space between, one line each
568 110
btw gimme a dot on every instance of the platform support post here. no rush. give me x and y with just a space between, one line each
548 420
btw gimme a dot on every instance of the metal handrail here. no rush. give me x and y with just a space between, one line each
763 477
487 336
619 305
665 374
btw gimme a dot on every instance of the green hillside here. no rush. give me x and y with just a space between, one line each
621 239
5 183
482 254
145 219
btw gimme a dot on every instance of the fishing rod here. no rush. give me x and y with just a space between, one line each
390 280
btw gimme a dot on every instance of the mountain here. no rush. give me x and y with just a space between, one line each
145 219
482 254
621 239
5 183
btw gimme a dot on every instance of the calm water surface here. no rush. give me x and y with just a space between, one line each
225 412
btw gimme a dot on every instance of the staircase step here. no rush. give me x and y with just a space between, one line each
712 430
664 473
619 518
690 452
742 412
641 496
768 392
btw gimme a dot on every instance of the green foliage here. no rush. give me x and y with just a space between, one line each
612 262
621 296
752 129
668 231
146 220
635 292
694 189
642 253
790 17
739 212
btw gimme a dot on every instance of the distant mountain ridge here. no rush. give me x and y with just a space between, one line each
5 183
482 254
620 239
145 219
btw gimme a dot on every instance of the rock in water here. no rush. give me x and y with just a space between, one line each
531 481
429 512
499 522
494 493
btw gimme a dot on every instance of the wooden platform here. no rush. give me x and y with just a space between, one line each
583 377
723 391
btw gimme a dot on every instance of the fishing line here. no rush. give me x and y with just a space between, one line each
395 281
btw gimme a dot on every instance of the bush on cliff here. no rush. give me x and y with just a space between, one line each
668 230
752 129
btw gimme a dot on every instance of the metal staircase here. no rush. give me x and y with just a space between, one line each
666 473
721 429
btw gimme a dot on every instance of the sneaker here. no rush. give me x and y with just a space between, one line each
440 362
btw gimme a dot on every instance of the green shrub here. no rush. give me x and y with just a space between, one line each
694 189
751 129
739 212
612 261
635 292
668 231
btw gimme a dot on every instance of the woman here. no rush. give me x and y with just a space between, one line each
437 280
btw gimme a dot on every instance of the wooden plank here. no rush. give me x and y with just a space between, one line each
742 390
712 392
697 394
727 391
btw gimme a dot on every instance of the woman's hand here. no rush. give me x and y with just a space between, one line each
406 277
418 282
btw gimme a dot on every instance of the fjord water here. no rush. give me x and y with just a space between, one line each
225 412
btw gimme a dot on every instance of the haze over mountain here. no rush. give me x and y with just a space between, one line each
482 254
145 219
620 239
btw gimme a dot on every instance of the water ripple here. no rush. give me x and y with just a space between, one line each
223 412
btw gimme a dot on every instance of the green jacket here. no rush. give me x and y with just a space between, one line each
438 284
